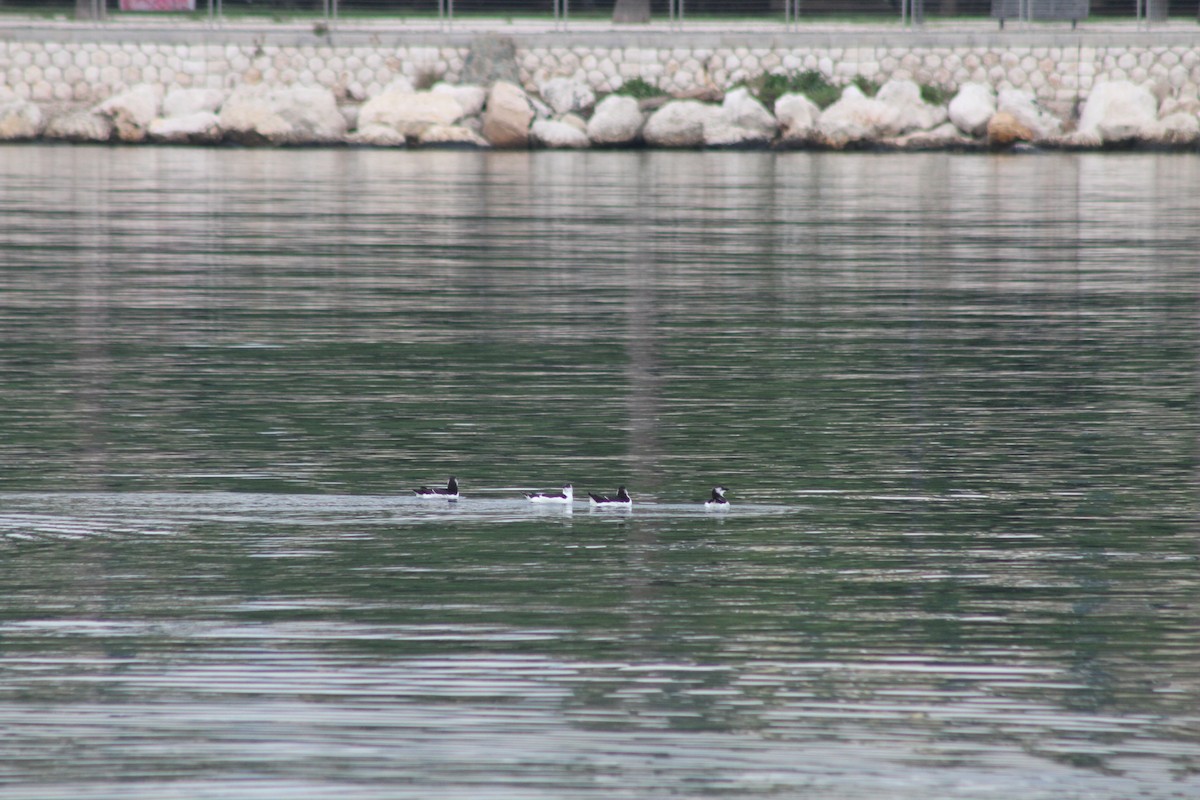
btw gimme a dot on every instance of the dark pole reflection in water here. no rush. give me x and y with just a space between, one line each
955 399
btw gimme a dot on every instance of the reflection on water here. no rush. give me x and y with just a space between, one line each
954 399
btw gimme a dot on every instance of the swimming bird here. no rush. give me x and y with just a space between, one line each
449 493
567 495
717 502
621 500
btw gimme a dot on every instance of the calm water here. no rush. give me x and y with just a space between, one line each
955 399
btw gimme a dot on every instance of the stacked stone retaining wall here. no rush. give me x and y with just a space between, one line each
1059 69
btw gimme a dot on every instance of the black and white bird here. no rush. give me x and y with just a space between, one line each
566 496
620 500
449 493
717 502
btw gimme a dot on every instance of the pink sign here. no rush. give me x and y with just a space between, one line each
158 5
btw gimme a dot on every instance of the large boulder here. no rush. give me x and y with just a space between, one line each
507 116
377 136
1117 111
566 95
452 136
558 134
185 102
1003 129
912 112
679 123
616 120
468 96
797 117
410 113
856 118
741 121
19 118
946 136
1025 109
132 111
261 113
1178 128
972 107
199 127
79 126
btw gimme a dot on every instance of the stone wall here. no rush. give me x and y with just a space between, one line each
1058 69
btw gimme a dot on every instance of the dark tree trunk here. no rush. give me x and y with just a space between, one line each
88 9
631 11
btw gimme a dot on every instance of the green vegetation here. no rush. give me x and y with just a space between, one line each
639 89
936 95
769 88
865 85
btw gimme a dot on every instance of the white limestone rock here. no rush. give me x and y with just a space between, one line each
566 95
616 120
410 113
912 112
679 123
972 107
575 121
468 96
856 118
1025 109
132 111
19 119
1181 127
507 116
1117 111
79 126
262 113
556 134
1173 105
797 117
377 136
185 102
943 137
452 136
741 121
199 127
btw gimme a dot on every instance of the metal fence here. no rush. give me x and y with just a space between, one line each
563 13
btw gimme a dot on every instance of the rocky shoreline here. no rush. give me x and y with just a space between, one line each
566 114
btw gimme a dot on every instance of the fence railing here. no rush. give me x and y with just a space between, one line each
673 14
